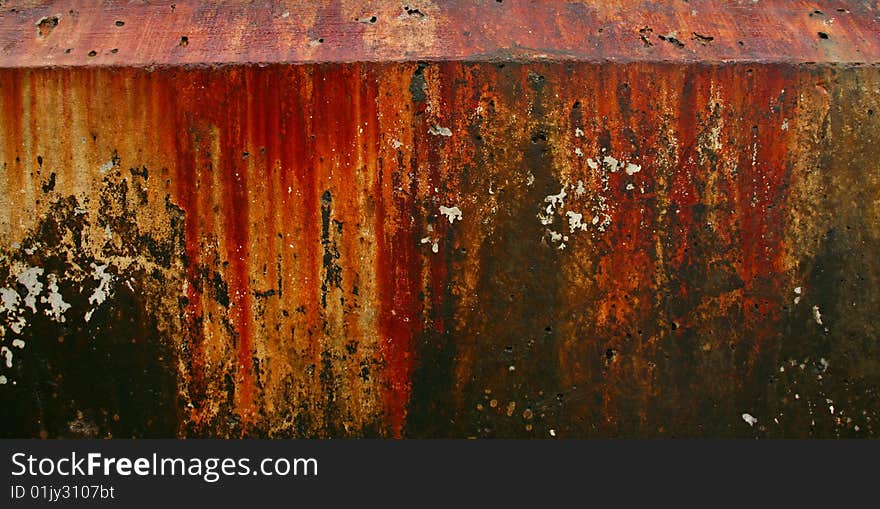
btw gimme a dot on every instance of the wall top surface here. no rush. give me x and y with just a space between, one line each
68 33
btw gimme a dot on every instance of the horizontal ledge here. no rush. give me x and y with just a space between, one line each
62 33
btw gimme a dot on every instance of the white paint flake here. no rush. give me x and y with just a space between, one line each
29 278
439 131
578 132
632 169
553 201
6 353
107 166
8 300
103 291
556 200
451 213
575 221
612 163
817 315
56 303
751 421
797 292
17 343
2 380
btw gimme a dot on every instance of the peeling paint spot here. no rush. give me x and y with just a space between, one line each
29 278
574 221
632 169
102 292
439 131
612 163
56 303
556 200
817 316
451 213
750 420
8 300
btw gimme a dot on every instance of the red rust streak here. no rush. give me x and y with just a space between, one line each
398 273
183 136
764 181
236 208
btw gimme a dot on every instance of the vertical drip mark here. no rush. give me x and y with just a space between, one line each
237 216
763 185
399 274
184 139
10 100
299 156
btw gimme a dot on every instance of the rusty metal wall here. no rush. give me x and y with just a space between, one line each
487 247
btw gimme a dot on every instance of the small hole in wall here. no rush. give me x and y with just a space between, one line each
822 35
184 41
46 25
92 53
114 50
870 112
68 50
120 23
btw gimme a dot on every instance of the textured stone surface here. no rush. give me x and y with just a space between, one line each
424 232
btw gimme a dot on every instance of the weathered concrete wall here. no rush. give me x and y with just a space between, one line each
519 248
